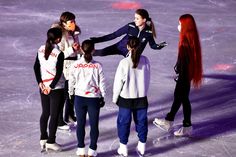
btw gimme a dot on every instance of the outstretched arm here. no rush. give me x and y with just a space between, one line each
156 46
37 70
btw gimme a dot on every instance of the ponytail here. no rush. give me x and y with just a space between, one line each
88 47
152 28
135 56
88 57
133 43
52 35
48 48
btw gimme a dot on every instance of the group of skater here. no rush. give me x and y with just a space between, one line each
67 73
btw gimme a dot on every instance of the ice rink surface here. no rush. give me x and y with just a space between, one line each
23 27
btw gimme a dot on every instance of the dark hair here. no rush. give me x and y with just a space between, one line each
66 16
52 35
88 47
145 15
189 38
133 43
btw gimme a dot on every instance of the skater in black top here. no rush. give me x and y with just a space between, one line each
48 69
189 70
142 27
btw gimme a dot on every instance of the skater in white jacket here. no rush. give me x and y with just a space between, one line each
130 94
70 46
87 83
48 69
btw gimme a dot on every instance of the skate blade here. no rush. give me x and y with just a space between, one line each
64 130
121 156
139 154
43 150
160 140
52 150
185 135
160 127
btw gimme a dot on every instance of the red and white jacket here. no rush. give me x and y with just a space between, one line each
87 79
66 46
48 67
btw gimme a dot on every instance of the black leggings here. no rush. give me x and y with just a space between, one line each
83 106
51 106
110 50
69 105
181 96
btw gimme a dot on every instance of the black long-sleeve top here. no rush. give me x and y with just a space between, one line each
145 36
182 66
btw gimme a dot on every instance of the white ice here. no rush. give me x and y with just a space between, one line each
23 26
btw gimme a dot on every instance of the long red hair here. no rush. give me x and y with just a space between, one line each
189 38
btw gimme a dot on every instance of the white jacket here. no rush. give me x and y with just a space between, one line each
86 79
66 46
130 82
48 67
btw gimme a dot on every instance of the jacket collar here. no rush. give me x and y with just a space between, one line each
128 54
144 29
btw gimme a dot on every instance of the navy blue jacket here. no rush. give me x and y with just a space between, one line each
130 29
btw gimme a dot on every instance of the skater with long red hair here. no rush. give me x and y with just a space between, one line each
189 70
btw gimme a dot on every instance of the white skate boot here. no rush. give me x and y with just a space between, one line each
80 152
71 122
42 145
140 149
92 153
64 127
163 124
53 146
123 150
184 131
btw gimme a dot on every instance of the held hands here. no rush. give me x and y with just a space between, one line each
101 102
41 86
76 46
45 90
71 98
